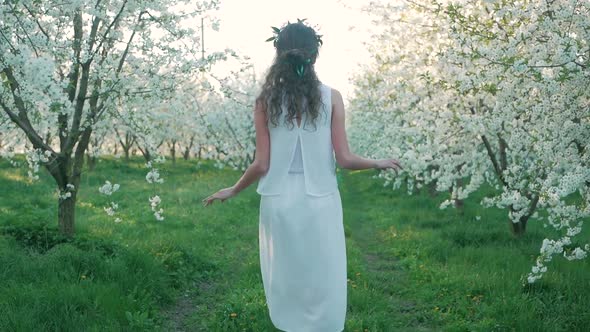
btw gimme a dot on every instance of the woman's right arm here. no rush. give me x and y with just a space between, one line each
344 157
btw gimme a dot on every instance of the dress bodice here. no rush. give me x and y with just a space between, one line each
306 148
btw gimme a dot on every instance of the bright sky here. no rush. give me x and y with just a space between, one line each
246 24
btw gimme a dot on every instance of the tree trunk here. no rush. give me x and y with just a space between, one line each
518 229
146 154
173 152
415 189
126 153
67 171
67 215
91 162
432 189
187 150
126 144
459 204
186 154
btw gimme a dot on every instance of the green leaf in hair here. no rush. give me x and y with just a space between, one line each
300 70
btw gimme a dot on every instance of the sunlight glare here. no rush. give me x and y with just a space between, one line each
245 25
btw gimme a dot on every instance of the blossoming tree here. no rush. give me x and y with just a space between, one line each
472 92
64 65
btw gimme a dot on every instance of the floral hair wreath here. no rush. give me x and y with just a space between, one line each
299 67
277 31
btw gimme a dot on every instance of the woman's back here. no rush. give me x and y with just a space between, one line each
317 153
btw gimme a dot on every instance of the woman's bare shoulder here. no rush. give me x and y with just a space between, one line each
336 96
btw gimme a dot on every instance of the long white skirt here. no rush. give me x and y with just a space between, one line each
303 259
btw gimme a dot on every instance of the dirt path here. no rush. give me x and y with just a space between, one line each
178 317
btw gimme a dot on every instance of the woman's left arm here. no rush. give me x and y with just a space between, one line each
261 160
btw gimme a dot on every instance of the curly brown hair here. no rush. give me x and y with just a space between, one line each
291 77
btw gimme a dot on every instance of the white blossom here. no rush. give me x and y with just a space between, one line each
108 189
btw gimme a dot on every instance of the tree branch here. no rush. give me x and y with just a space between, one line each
128 46
22 120
26 127
488 146
108 30
37 21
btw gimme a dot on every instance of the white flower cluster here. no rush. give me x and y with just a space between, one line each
157 160
110 210
561 216
154 203
34 158
153 176
9 155
67 193
108 189
551 248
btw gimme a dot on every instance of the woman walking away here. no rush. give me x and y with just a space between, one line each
299 126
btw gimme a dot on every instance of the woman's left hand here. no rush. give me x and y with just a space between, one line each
221 195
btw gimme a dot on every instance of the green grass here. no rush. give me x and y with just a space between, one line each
411 266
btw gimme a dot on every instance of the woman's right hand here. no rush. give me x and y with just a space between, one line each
389 163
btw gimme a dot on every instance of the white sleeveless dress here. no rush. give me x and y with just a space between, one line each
303 256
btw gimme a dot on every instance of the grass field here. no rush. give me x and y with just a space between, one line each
411 266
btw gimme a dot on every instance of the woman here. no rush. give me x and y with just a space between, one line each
299 128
